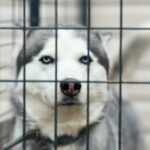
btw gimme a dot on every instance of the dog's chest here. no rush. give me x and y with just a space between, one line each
46 146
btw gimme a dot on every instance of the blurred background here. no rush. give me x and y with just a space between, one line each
105 17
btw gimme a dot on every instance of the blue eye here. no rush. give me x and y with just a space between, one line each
85 60
46 60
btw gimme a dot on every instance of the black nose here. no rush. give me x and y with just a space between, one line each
70 87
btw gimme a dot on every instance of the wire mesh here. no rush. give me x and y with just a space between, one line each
120 78
88 72
88 28
56 56
24 74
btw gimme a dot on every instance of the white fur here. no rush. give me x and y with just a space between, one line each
40 96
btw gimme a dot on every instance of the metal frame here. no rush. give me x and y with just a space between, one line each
87 21
120 77
24 74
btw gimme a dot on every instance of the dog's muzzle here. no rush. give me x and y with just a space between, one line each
70 87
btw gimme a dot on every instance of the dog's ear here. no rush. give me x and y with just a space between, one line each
29 33
106 37
103 37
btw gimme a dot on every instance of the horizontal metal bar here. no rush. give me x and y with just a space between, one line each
71 28
82 81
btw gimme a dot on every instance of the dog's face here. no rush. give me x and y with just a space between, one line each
71 72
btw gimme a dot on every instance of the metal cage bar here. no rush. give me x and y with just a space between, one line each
56 68
69 28
83 81
88 24
24 73
120 77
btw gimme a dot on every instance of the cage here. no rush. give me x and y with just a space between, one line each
128 49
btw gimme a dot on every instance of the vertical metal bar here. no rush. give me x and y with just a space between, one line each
56 37
34 12
24 72
88 68
120 76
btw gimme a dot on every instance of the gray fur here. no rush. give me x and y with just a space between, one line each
34 44
37 38
95 46
104 134
6 131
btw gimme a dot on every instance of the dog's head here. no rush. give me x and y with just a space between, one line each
68 61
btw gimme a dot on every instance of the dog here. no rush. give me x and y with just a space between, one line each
66 86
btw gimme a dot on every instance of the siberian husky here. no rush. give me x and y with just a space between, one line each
61 78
